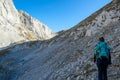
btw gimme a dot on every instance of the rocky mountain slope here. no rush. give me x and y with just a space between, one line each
69 55
19 26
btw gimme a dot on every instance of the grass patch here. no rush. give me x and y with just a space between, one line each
30 35
22 35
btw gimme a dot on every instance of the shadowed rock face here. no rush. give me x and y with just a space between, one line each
69 55
19 26
116 1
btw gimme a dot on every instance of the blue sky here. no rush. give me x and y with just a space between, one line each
60 14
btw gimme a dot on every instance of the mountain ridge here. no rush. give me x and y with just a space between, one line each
68 56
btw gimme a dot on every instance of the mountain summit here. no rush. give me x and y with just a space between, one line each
19 26
69 55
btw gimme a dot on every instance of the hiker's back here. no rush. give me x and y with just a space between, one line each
103 49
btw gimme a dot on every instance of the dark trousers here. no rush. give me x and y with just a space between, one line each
102 65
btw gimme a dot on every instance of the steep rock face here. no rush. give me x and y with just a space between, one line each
19 26
38 28
8 11
69 55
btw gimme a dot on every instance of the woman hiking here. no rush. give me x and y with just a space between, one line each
102 58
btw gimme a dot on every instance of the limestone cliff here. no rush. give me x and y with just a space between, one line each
19 26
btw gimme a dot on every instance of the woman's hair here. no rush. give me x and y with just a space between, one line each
101 39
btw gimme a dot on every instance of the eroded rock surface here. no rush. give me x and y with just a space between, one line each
69 55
